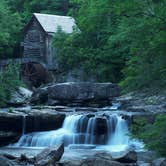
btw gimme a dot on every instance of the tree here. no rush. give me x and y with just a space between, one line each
10 26
90 48
146 65
119 40
26 7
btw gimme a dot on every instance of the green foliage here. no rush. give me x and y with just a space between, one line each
146 33
126 36
117 41
10 110
138 126
26 7
9 81
89 47
154 135
10 25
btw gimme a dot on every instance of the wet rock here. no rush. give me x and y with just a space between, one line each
49 156
59 107
101 126
129 157
142 163
90 115
5 162
9 156
82 146
10 127
78 93
92 162
40 96
99 162
103 155
7 137
86 109
53 102
11 124
38 121
159 162
24 158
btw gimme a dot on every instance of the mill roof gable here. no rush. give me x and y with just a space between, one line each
50 23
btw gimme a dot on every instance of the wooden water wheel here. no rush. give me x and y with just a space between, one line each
34 73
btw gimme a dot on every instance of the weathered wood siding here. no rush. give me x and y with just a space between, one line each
34 42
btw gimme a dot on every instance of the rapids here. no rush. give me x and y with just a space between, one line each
108 132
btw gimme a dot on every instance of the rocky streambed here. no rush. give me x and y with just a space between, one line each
45 118
89 118
51 118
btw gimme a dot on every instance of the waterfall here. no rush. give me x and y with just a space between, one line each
81 129
120 135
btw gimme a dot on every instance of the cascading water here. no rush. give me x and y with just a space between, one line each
82 129
120 136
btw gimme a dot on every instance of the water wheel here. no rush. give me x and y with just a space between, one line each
34 74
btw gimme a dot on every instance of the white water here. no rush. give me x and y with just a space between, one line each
84 130
120 136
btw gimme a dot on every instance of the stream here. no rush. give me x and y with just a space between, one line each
82 133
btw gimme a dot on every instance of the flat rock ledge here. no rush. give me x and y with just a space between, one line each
14 124
76 94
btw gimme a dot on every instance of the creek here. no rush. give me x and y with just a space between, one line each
104 130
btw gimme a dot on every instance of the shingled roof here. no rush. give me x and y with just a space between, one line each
50 23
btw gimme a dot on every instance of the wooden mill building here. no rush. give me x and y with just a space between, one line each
38 34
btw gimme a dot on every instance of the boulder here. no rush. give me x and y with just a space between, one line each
35 120
88 158
20 97
142 163
78 93
7 137
101 126
25 159
43 121
5 162
10 122
12 125
159 162
92 162
129 157
49 156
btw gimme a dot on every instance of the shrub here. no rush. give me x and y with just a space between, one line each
9 82
153 135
